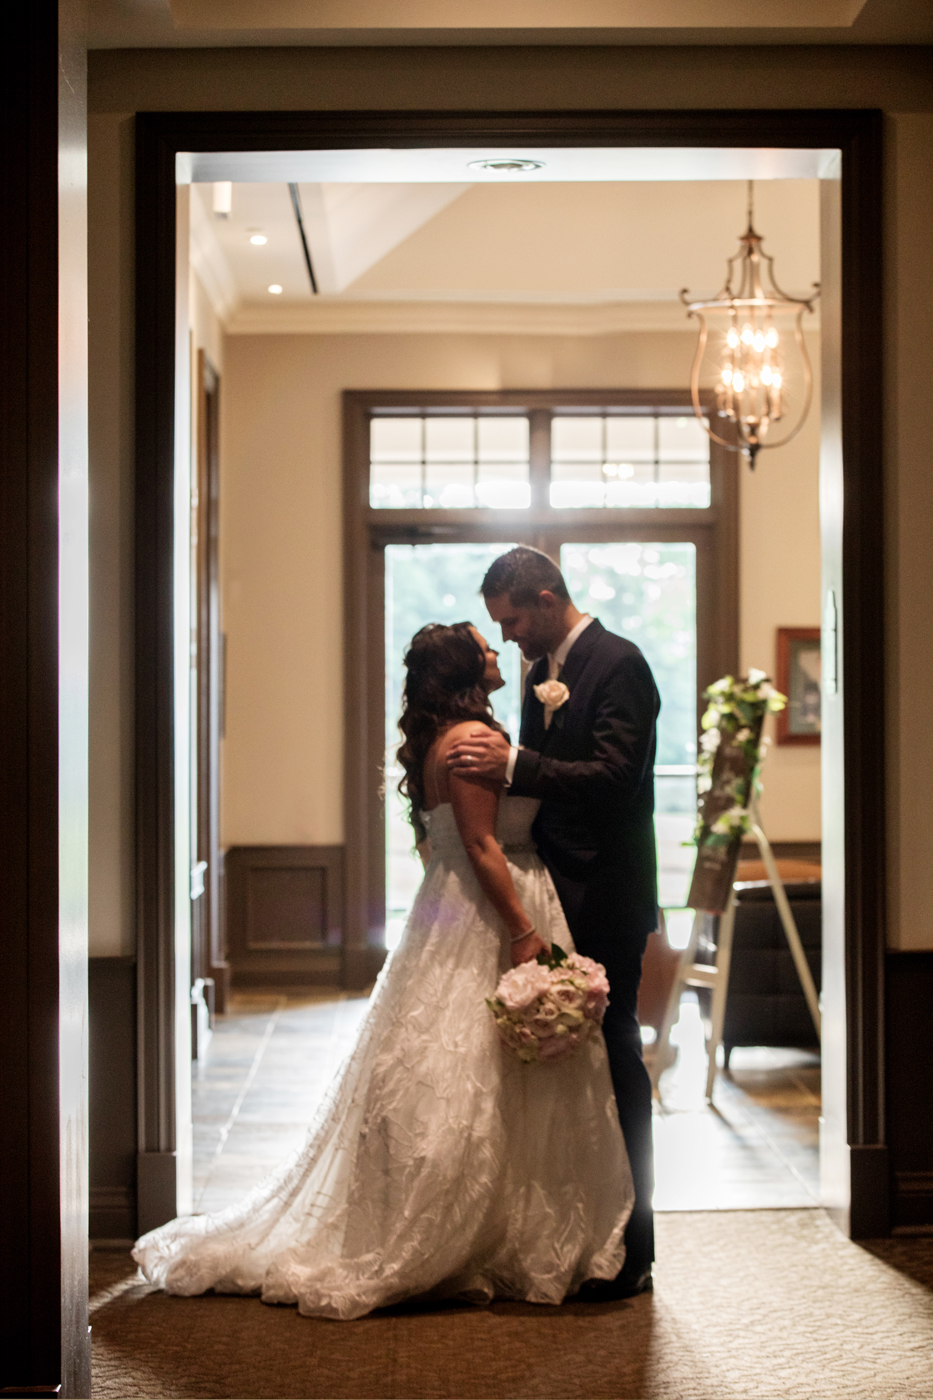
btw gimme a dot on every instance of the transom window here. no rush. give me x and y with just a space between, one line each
622 486
624 461
448 460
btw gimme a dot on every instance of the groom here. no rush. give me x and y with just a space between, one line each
589 756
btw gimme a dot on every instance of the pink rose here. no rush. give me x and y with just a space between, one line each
522 985
586 965
567 996
595 1006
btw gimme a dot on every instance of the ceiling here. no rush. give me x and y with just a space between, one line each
541 257
230 23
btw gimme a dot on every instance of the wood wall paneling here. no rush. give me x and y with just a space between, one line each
909 1098
284 915
112 1020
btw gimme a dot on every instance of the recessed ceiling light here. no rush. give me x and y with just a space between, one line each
275 289
506 165
258 238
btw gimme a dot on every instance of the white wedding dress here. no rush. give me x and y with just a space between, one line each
438 1165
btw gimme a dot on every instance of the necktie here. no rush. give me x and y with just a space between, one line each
553 674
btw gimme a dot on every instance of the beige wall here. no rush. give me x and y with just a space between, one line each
779 573
896 80
282 570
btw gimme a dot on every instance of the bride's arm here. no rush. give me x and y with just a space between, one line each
476 805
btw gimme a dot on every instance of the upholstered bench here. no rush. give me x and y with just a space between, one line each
765 1004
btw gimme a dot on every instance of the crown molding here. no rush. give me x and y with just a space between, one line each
352 317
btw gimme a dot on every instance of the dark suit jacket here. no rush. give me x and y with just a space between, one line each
593 768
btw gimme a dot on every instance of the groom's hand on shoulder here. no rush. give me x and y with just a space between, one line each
483 754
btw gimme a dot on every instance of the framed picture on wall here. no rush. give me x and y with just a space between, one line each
799 676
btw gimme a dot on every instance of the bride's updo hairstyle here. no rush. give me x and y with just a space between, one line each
443 686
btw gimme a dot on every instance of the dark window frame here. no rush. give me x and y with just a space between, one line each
368 530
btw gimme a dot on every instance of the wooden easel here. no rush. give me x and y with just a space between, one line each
694 974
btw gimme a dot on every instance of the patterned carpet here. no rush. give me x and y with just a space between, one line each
747 1304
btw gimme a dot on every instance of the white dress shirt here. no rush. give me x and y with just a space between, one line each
555 663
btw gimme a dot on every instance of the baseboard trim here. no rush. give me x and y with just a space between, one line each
112 1213
361 967
870 1203
156 1177
913 1202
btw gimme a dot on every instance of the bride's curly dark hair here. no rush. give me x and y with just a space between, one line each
443 687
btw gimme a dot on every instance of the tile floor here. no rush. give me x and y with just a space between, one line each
270 1060
757 1146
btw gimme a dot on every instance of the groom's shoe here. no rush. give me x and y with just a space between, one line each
627 1284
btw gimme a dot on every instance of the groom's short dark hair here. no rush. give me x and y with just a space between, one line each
522 573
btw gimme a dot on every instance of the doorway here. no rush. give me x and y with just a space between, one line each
623 488
856 929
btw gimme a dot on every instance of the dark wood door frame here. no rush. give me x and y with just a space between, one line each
208 948
44 1341
852 546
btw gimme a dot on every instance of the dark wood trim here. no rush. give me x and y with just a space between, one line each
863 629
909 1088
713 531
857 854
44 1346
154 669
112 1074
308 949
29 1144
208 940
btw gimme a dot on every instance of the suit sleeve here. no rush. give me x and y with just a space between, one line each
623 732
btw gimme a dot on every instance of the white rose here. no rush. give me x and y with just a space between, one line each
552 694
754 675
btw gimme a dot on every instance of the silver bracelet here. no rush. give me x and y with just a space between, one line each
527 934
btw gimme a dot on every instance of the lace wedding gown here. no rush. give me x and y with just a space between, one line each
437 1164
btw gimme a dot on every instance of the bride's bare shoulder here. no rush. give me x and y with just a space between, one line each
454 734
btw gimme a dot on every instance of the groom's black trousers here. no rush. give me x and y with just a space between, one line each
596 916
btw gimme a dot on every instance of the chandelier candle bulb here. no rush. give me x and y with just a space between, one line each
748 392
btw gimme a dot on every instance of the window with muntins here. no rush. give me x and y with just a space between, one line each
449 460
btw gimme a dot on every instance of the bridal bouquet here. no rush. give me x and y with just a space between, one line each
543 1010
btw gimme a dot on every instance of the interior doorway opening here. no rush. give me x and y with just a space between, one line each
364 923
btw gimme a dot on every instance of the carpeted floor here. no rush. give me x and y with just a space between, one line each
747 1305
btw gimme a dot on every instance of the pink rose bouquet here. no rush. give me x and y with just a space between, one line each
543 1010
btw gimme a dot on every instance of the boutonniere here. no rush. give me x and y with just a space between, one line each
552 694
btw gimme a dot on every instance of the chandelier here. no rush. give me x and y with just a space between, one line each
748 326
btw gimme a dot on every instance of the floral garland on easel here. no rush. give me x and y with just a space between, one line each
733 719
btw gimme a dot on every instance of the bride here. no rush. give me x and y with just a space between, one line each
438 1165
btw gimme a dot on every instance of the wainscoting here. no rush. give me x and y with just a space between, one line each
112 1076
909 1016
284 915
